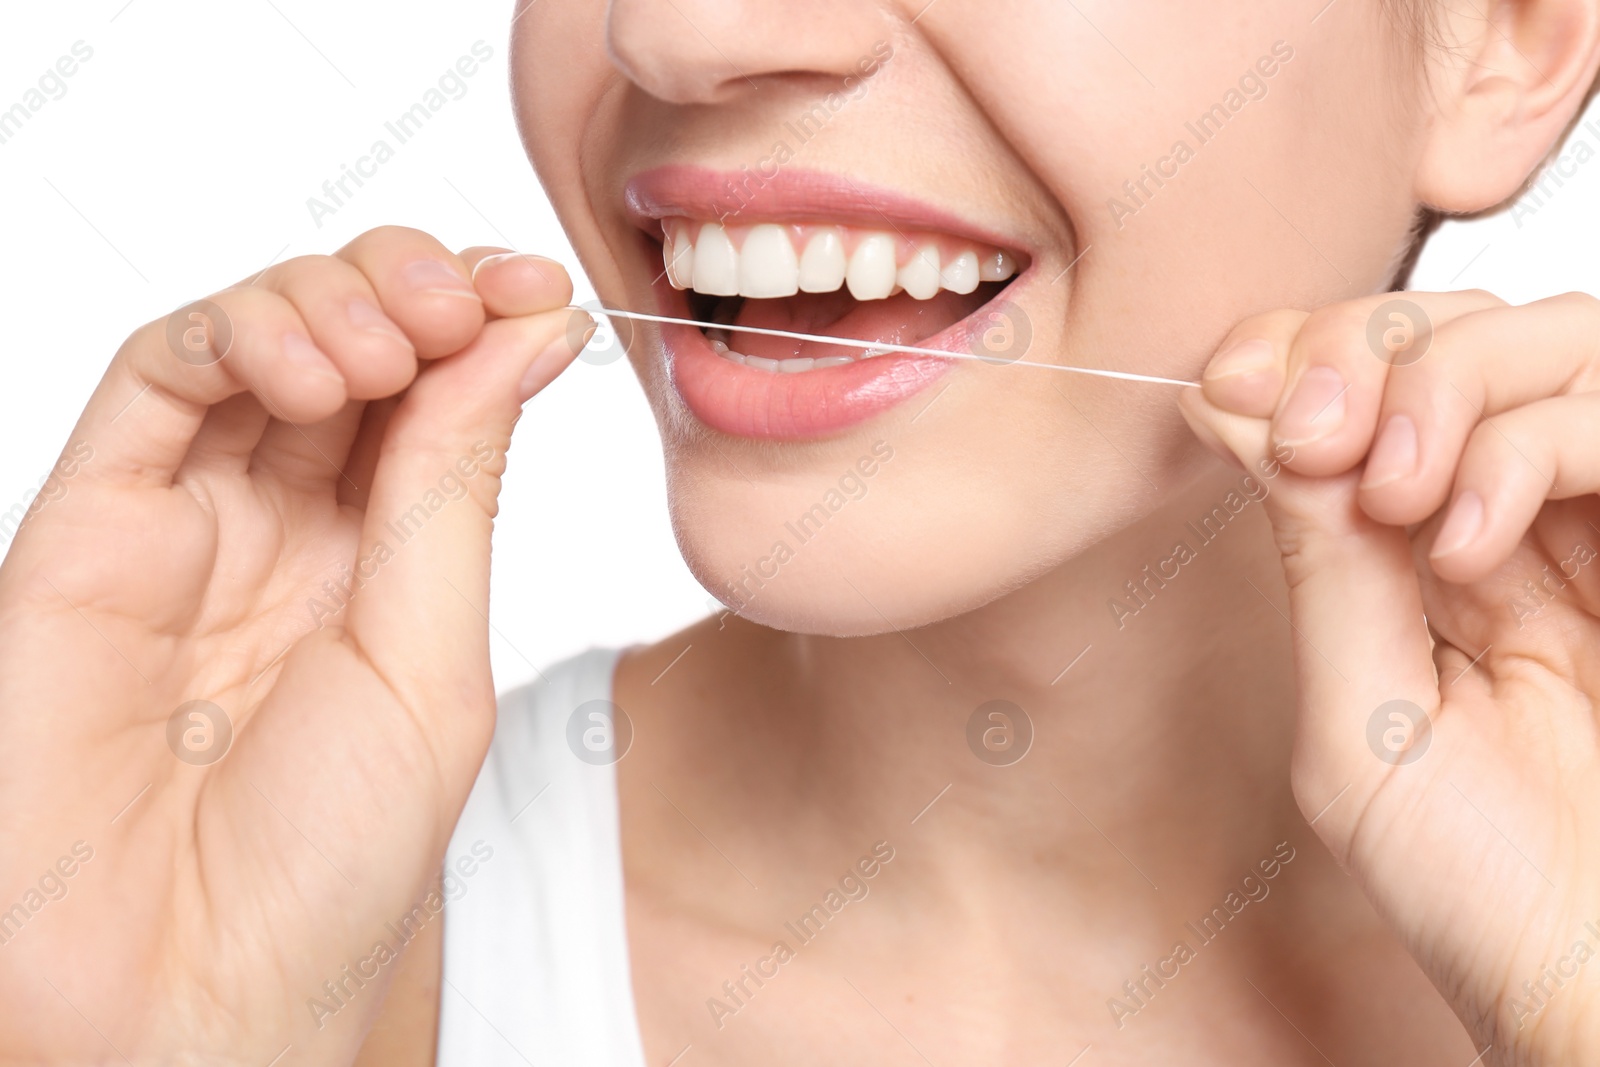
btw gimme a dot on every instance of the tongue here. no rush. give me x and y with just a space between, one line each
899 320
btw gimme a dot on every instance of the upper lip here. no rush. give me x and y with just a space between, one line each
702 193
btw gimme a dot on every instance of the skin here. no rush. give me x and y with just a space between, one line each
828 718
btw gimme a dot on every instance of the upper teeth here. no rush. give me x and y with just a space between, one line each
770 260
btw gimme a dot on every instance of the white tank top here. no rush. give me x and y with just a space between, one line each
535 942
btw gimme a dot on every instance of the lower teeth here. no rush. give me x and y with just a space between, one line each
719 345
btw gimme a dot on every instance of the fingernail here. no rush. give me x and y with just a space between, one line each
1394 453
1241 357
1245 378
547 364
1315 408
298 350
364 315
432 276
1461 525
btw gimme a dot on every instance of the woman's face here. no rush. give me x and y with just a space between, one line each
1153 171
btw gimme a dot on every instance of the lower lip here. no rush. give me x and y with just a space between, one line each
750 402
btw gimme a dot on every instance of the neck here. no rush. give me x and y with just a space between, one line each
1151 671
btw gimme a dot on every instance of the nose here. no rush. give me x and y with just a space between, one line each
709 51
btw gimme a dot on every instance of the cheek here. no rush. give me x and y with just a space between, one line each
560 77
1196 202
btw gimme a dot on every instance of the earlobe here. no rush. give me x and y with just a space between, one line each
1503 94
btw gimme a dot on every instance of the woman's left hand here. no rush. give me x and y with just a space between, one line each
1434 461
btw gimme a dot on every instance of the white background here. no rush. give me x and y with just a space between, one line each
180 160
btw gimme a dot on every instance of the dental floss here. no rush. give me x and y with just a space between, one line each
850 342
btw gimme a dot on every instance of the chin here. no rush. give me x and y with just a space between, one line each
857 555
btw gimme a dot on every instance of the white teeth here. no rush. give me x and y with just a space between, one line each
797 365
767 264
678 252
961 274
716 262
822 265
920 277
870 274
997 267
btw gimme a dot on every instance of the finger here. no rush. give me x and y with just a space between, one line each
1241 440
1246 375
1320 377
1512 464
421 285
309 458
515 283
227 437
1356 617
430 512
361 462
340 307
1242 387
1339 368
1480 365
154 397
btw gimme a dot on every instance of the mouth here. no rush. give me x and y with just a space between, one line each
807 256
878 286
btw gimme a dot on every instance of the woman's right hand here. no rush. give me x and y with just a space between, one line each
297 536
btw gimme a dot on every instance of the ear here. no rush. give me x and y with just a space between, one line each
1504 94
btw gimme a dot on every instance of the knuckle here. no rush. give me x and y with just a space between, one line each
202 332
390 238
1489 449
299 273
1584 304
1336 334
250 304
146 338
305 266
1281 323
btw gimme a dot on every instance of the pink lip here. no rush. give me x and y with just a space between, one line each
749 402
702 193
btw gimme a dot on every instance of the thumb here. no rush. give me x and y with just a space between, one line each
1366 684
423 567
